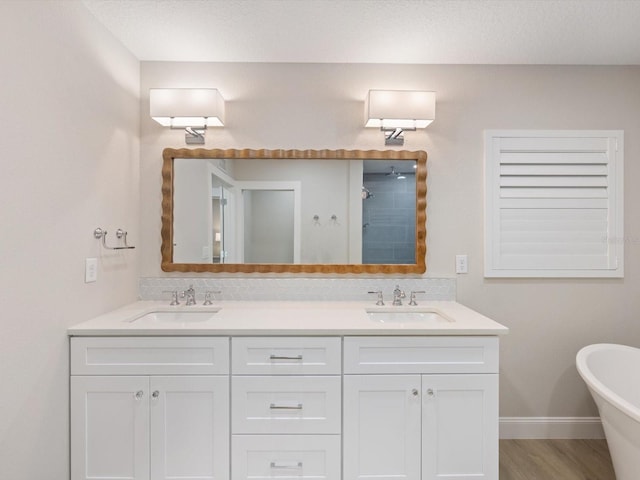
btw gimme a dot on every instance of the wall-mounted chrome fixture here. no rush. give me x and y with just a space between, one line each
191 109
121 235
396 111
396 175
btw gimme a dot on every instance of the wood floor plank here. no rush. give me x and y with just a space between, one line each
555 460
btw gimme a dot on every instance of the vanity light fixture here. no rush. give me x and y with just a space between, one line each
396 111
193 109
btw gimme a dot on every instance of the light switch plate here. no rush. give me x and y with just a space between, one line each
462 264
90 270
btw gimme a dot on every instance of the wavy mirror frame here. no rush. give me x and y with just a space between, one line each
170 154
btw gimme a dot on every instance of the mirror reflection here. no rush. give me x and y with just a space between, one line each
389 212
266 208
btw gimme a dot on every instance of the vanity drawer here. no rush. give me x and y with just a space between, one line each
286 404
149 355
450 354
286 355
258 457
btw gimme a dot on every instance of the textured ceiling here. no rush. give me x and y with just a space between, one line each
589 32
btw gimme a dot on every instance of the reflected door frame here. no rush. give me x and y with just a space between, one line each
295 187
227 185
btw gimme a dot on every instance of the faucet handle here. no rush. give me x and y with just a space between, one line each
174 296
412 298
380 301
207 296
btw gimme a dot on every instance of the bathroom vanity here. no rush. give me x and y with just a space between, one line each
285 390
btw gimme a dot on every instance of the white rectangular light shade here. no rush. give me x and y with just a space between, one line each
400 108
186 107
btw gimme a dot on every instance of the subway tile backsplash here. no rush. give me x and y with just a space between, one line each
298 289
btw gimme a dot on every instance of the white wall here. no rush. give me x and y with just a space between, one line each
321 106
69 121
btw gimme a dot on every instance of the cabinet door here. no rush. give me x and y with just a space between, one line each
109 428
382 427
189 427
460 427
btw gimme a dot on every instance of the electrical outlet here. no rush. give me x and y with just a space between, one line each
90 270
462 264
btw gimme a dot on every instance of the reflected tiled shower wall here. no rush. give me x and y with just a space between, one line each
388 219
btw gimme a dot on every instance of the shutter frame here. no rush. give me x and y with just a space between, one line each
554 203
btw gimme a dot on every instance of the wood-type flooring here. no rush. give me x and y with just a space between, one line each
555 460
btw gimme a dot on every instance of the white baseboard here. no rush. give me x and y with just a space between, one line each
551 427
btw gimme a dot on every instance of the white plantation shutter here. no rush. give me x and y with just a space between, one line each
553 203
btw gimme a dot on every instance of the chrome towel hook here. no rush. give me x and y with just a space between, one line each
99 233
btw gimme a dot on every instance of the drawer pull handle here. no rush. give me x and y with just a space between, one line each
275 406
286 464
285 357
139 394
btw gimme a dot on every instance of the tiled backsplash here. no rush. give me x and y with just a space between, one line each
301 289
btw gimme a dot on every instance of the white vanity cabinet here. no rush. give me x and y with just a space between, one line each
281 407
420 408
149 408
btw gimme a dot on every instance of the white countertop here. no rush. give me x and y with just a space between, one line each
288 318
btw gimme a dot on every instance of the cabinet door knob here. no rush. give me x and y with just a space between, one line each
430 392
415 392
139 394
155 394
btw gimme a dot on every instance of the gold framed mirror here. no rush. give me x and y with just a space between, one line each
294 211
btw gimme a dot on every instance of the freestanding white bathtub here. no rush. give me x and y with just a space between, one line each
612 373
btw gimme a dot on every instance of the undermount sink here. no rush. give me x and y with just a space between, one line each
406 316
176 317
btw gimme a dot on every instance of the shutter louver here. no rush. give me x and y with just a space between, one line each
554 204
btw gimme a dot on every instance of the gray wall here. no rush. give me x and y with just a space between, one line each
321 106
69 134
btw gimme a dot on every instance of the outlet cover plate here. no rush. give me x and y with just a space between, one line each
462 264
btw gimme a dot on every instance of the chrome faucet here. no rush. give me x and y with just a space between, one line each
190 295
207 296
412 298
398 295
174 297
380 300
